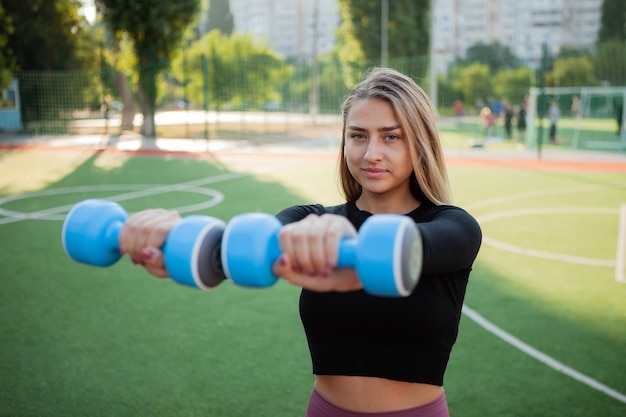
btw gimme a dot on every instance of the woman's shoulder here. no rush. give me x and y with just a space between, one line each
427 212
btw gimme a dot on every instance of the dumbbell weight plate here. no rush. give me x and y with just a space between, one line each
91 230
192 252
249 249
385 241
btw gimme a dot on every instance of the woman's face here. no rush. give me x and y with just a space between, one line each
377 152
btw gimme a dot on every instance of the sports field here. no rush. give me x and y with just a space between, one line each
543 334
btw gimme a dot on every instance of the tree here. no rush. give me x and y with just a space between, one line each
573 72
513 85
495 55
7 62
568 51
48 35
155 29
609 63
235 65
359 34
613 21
473 82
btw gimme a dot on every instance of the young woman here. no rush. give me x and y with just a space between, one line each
372 356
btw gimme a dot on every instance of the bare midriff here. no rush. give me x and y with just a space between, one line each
369 394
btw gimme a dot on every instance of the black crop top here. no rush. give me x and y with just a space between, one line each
404 339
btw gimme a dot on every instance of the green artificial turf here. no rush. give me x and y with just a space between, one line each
79 340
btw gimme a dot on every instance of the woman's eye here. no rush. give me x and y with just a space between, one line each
392 138
357 136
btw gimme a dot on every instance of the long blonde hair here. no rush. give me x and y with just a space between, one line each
417 118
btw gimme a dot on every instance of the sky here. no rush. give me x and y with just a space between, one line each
88 10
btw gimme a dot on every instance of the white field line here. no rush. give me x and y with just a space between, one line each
620 263
544 254
216 198
128 196
139 193
540 356
531 194
547 255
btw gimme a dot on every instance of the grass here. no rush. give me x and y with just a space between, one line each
78 340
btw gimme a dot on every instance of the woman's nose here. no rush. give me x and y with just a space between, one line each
373 151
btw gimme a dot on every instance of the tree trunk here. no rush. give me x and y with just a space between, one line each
148 128
128 112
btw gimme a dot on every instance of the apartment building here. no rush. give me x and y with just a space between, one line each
298 28
523 26
294 28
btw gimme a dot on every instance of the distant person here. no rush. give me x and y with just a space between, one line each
508 120
521 123
458 110
105 109
618 109
497 109
487 122
575 107
554 114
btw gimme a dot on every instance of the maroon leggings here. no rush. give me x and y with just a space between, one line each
321 407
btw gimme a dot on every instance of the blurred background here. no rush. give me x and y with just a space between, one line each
278 69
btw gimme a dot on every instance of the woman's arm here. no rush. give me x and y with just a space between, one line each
451 240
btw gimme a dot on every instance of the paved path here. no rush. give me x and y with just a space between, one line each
328 146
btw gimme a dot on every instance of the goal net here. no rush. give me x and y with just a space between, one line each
589 117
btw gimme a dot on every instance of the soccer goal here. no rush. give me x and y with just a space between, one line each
589 117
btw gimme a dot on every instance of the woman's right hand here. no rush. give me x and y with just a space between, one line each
144 234
310 249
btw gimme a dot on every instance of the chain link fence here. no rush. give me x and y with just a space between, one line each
262 101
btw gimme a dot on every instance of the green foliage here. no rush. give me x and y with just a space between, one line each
39 39
613 21
353 59
572 72
49 97
513 85
48 35
609 63
573 52
446 94
237 66
473 82
332 88
359 34
495 55
7 62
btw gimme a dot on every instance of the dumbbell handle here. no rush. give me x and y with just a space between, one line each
112 234
346 257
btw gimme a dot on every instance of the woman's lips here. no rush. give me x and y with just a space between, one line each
374 173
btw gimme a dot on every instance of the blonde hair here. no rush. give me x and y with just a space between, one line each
418 121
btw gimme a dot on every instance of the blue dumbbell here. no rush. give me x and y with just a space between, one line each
387 255
91 231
